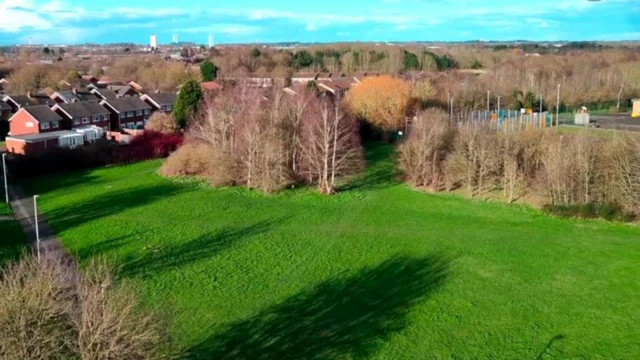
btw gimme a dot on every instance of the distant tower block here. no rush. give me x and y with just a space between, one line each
153 41
29 40
211 43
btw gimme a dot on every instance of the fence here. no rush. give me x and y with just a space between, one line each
512 120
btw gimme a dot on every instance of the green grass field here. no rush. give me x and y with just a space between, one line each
378 271
12 238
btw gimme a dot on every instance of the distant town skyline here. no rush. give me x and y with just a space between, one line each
247 21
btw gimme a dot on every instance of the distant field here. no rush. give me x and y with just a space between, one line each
379 271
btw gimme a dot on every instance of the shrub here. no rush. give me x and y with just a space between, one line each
49 311
423 154
149 145
192 159
162 123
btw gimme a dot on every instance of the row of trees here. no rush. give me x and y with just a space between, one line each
269 141
569 169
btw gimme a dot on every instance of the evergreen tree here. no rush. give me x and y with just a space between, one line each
208 70
187 102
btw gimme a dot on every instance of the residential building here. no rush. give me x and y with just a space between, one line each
5 111
636 108
84 114
16 102
210 86
33 144
304 77
127 112
103 94
123 90
161 101
34 120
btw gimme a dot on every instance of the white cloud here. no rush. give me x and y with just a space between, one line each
311 27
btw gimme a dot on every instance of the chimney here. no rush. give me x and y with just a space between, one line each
29 94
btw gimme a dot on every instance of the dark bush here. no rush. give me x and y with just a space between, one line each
149 145
609 211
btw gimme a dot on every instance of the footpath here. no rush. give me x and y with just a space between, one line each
23 211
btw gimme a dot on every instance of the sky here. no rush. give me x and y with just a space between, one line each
247 21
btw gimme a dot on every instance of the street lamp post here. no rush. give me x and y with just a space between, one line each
4 176
558 107
35 212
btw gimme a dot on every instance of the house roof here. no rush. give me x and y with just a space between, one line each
42 113
127 104
67 96
105 93
83 109
162 98
44 136
305 75
120 89
211 85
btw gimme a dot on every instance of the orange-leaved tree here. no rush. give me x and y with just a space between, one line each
381 100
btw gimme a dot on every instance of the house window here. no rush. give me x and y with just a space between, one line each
85 120
28 124
96 118
104 117
139 113
169 108
130 114
55 124
131 125
146 111
45 126
76 121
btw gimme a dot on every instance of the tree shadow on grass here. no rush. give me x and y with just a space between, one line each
381 170
340 318
68 217
157 260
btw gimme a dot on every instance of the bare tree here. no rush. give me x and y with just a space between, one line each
330 145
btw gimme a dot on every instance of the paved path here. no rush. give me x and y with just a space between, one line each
50 245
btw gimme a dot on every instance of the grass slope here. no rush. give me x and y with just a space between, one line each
12 239
378 271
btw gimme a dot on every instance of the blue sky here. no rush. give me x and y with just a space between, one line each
244 21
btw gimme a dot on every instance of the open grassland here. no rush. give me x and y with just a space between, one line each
12 238
377 271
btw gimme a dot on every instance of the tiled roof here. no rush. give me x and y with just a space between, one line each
83 109
42 113
211 85
163 98
127 104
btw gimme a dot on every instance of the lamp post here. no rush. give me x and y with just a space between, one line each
35 212
558 107
4 169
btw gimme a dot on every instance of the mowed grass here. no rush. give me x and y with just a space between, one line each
378 271
12 239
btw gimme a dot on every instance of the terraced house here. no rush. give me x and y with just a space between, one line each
127 112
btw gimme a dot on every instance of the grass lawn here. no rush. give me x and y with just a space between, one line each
379 271
12 238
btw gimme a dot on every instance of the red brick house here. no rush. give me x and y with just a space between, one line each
162 101
127 112
82 114
34 120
